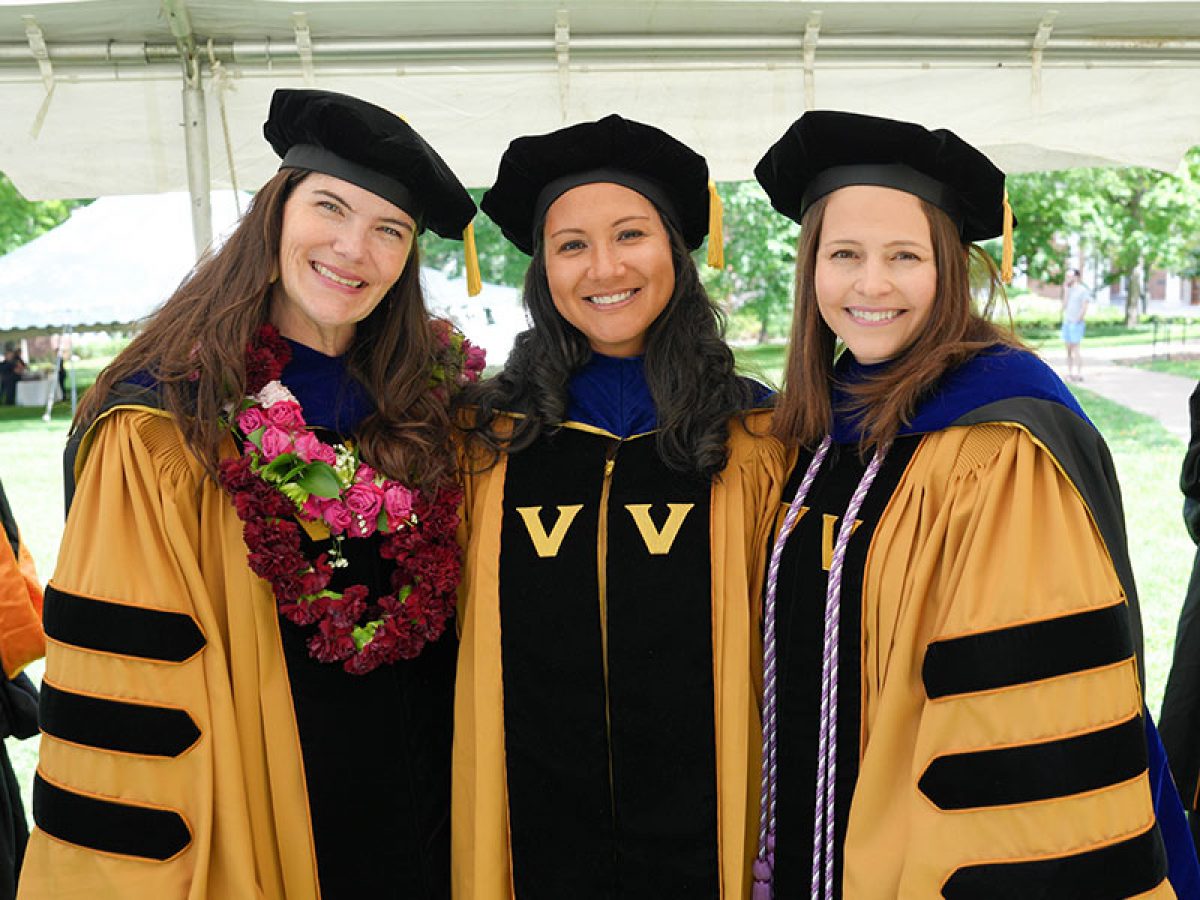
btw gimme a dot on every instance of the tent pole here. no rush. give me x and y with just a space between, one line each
71 359
196 144
195 123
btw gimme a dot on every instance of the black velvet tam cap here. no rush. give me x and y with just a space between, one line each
366 145
536 170
825 150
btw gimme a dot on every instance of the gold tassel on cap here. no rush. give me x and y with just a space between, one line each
716 229
1006 254
474 280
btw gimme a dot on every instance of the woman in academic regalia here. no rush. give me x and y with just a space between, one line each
952 687
616 520
249 684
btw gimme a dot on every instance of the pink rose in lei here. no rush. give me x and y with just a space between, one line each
398 501
275 442
251 420
311 449
314 507
286 414
336 516
365 499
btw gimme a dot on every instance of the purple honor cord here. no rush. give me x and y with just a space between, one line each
823 812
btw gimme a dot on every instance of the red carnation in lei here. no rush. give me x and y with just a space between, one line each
287 473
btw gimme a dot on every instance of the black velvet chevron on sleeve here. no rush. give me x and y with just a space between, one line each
109 724
108 826
91 624
1037 771
1021 654
1129 868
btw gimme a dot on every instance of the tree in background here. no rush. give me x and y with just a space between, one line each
760 259
1137 219
22 220
499 261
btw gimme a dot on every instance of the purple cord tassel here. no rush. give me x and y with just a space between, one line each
823 813
764 863
824 837
763 872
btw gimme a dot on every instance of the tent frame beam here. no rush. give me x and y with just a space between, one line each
1096 51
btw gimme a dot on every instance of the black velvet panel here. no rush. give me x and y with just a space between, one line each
1039 771
91 624
115 725
556 744
376 751
660 676
14 830
8 525
1127 869
1022 654
107 825
800 635
1080 449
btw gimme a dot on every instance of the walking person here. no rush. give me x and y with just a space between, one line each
1180 717
1075 301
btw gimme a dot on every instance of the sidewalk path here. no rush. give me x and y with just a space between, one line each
1165 397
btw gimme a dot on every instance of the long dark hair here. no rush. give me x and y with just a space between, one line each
954 333
194 348
689 369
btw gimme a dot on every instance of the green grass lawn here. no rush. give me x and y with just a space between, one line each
1147 458
1187 368
764 362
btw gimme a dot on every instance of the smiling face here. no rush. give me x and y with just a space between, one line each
608 265
876 276
341 249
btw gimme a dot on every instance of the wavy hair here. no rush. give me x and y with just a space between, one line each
689 370
194 348
954 333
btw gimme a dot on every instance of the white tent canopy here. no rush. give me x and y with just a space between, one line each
129 96
1034 83
113 262
107 266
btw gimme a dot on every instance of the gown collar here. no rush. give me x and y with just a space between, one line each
611 393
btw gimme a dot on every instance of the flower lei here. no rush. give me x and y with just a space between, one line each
286 473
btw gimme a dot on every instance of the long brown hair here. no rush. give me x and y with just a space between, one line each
194 349
954 333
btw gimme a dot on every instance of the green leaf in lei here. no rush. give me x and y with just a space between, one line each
319 478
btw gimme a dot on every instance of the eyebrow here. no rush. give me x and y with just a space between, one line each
620 221
847 240
398 222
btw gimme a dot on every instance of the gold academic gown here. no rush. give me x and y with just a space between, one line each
990 711
216 807
739 522
21 637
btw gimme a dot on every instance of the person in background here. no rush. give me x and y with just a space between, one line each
249 686
615 524
1075 301
1179 721
21 642
11 369
952 639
